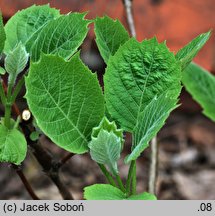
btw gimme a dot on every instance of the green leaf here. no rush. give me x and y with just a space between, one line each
13 146
103 192
108 126
149 122
105 149
2 34
70 101
34 135
2 71
201 85
110 35
16 61
135 74
187 53
143 196
61 36
108 192
26 24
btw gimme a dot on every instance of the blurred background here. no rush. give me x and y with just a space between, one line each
186 143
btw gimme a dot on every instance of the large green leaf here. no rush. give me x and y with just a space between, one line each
16 61
187 53
108 192
105 149
110 35
201 85
26 24
2 34
61 36
13 146
143 196
135 75
150 121
66 100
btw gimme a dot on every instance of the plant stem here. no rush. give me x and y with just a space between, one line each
17 89
120 183
25 182
131 172
134 180
7 114
8 105
2 93
153 166
130 19
107 175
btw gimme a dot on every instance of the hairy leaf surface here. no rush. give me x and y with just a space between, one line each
110 35
108 192
66 100
26 24
201 85
16 60
13 146
150 121
135 75
105 149
187 53
2 34
61 36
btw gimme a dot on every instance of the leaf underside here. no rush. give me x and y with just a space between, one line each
201 85
70 101
61 36
26 25
105 149
13 146
135 75
187 53
150 121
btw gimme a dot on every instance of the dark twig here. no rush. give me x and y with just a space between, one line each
65 159
45 158
50 166
25 182
130 19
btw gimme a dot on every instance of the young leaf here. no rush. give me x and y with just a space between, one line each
149 122
16 61
143 196
61 36
103 192
105 149
108 192
201 85
187 53
110 35
70 101
13 146
2 71
2 34
108 126
26 24
135 74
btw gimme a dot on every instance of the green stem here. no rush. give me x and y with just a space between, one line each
134 180
107 175
2 94
17 89
130 175
120 183
8 105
